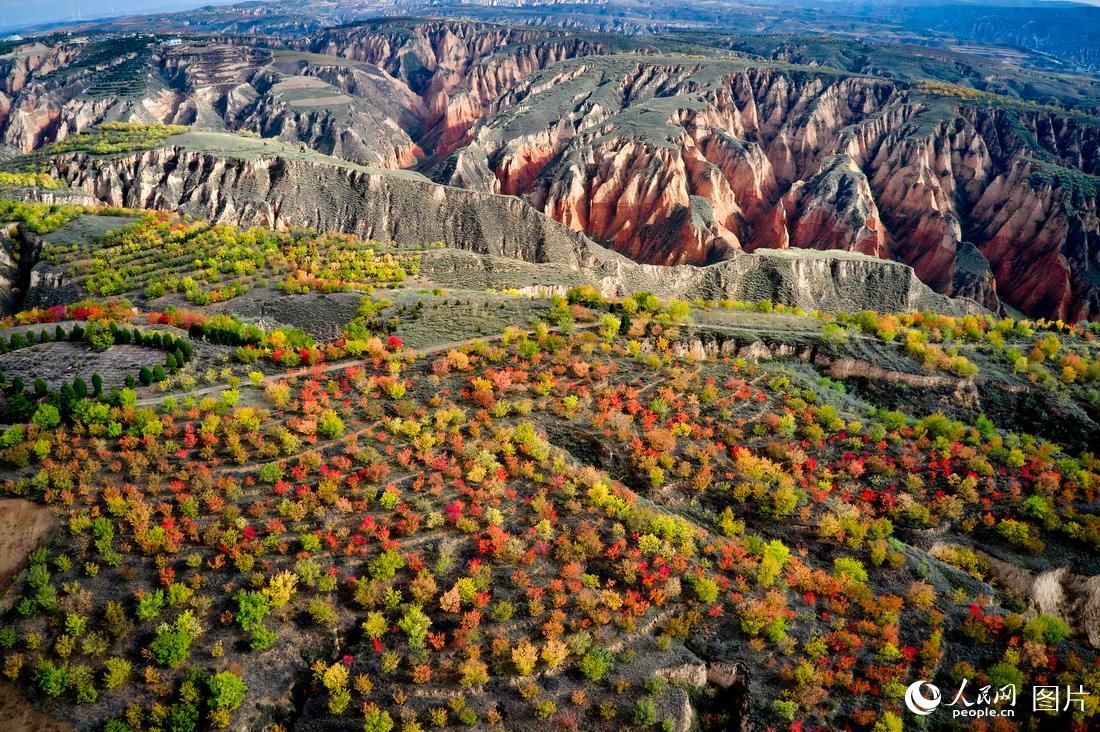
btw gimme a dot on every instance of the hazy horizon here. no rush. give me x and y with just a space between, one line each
16 14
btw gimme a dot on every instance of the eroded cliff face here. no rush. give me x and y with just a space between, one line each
665 158
485 232
457 69
378 94
669 164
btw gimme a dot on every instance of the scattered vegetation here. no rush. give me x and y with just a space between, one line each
541 514
111 138
162 254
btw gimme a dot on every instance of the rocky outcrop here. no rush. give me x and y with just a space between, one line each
1058 592
276 192
835 209
457 69
671 163
422 85
22 283
10 275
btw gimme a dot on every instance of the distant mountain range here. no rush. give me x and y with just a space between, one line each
1069 33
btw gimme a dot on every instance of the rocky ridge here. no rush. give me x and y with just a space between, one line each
671 163
493 232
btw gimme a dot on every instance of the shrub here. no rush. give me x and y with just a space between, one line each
172 645
706 589
252 608
171 648
1003 674
645 712
98 337
473 672
281 588
1039 507
889 722
772 561
116 672
385 565
150 604
262 638
46 417
596 663
525 656
1046 629
227 691
784 709
183 717
375 626
323 612
52 680
330 426
415 624
376 720
850 568
609 326
1020 534
834 334
271 472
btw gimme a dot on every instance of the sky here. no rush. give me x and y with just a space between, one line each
18 13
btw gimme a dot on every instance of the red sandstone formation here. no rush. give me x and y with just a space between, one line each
667 159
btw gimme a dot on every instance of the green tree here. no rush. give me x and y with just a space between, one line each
52 680
415 624
596 663
46 417
331 426
609 326
227 691
252 608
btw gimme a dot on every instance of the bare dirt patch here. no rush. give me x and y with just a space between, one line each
321 101
24 526
57 363
88 228
302 82
322 315
458 317
17 713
